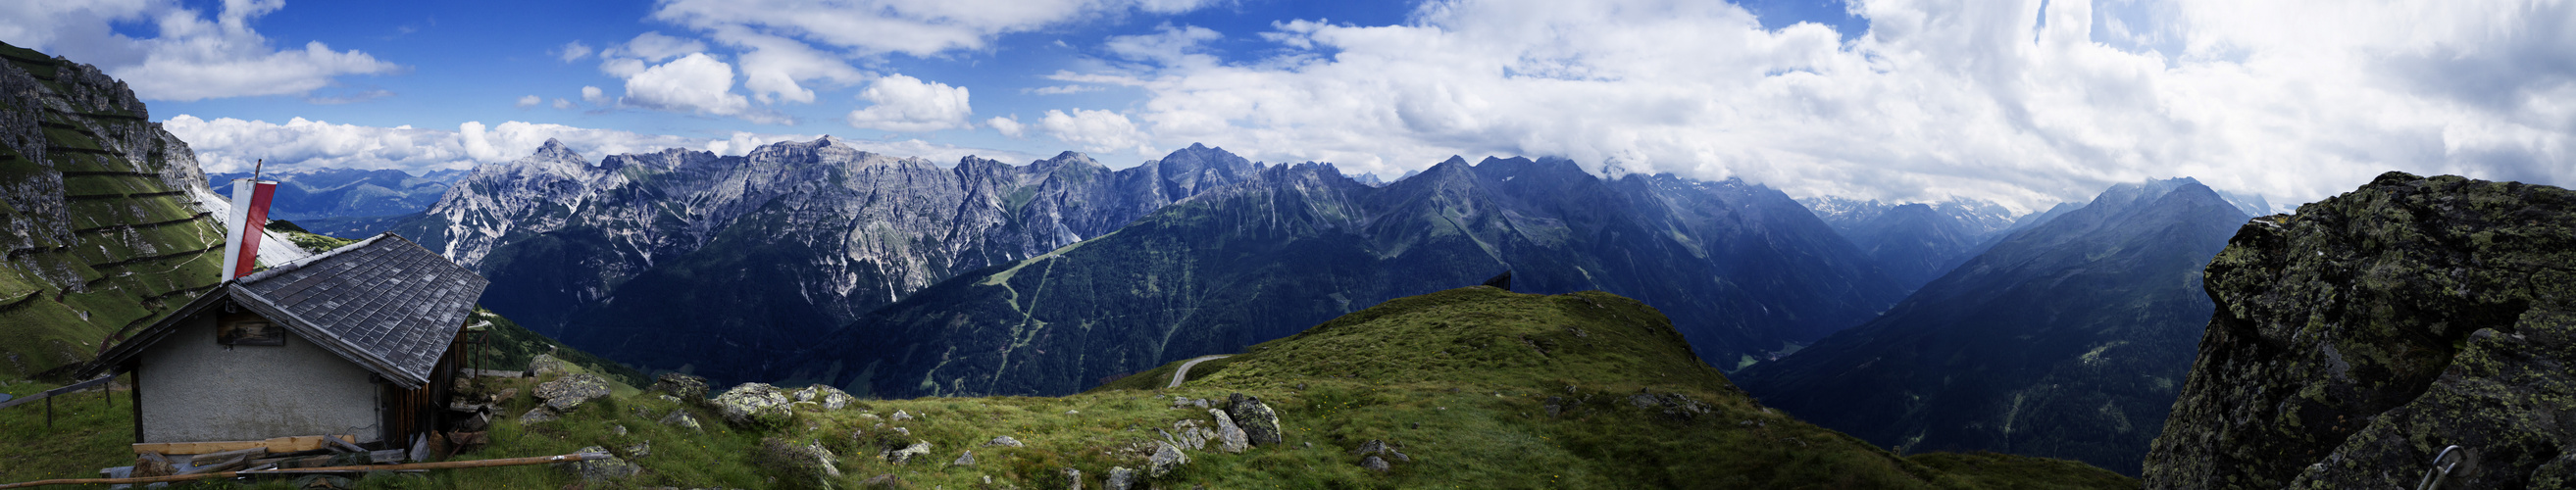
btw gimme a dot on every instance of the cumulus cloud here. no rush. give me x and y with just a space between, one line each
1167 46
1997 99
696 83
905 104
231 145
562 104
527 101
192 57
573 51
777 68
1100 131
1008 126
595 96
653 47
917 28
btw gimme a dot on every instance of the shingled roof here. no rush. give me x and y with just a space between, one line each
384 303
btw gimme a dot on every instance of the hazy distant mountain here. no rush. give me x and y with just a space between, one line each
2066 339
1916 242
1741 268
306 194
654 258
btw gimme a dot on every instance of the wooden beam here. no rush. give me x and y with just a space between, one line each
274 445
480 463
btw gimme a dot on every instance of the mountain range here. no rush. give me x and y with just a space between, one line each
1913 242
2067 338
307 194
1744 270
650 258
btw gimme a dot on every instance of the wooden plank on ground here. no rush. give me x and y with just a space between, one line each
274 445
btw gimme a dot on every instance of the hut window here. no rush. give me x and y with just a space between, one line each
250 331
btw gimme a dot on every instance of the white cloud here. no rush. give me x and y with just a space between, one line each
1062 89
1008 126
230 145
653 47
573 51
192 57
905 104
1167 46
913 27
1100 131
776 68
526 101
696 83
1941 98
562 104
595 96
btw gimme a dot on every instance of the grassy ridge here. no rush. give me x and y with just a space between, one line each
1461 381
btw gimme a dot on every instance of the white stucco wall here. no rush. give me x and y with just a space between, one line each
197 391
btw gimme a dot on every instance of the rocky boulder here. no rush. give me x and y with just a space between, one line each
1166 458
565 393
807 461
595 470
753 404
545 364
1259 423
830 398
1229 437
2357 339
686 387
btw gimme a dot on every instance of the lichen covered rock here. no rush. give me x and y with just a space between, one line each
2362 335
565 393
685 387
756 404
1260 424
596 470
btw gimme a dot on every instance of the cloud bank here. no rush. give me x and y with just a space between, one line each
231 145
192 57
1996 99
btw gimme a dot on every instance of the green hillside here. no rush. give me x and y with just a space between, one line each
1476 387
96 218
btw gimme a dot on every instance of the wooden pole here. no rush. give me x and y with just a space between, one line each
442 465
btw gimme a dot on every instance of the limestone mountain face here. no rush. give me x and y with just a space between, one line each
653 258
100 214
1742 268
2359 337
2065 339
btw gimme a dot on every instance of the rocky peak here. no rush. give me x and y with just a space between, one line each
2357 339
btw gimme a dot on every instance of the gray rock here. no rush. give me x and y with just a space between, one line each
640 449
900 416
1373 446
563 394
619 429
682 386
807 460
754 404
1260 424
966 458
681 419
597 470
1121 478
536 415
1229 437
901 456
1374 463
1004 441
1072 479
1167 458
545 364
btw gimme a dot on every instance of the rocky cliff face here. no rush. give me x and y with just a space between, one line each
650 258
2359 337
99 213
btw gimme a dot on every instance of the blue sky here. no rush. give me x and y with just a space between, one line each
2026 102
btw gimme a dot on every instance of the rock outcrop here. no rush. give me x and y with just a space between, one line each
1260 424
2359 337
753 404
565 393
686 387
